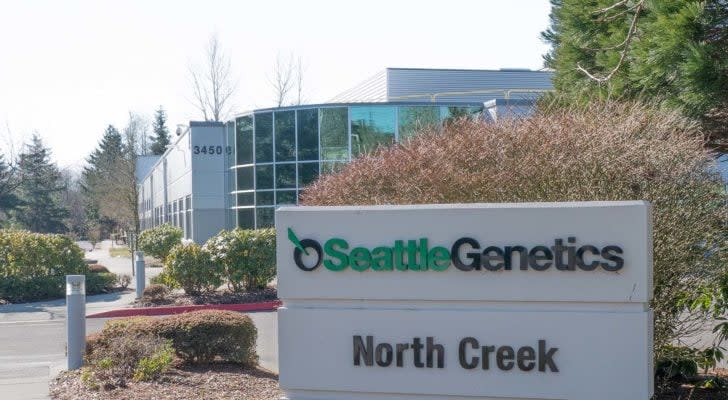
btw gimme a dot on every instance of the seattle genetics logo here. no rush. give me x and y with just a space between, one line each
465 254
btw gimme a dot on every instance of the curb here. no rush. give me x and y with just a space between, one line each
169 310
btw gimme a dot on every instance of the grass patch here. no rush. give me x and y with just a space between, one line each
120 252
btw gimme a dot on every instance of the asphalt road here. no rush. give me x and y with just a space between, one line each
30 352
33 336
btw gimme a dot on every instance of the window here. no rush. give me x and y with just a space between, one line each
448 114
246 218
264 198
188 225
246 199
371 127
285 136
308 134
286 197
264 177
414 119
285 176
334 133
264 137
244 178
244 140
264 217
188 202
329 167
307 173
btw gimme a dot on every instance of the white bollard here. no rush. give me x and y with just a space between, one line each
139 267
75 320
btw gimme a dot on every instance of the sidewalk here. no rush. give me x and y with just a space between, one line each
33 334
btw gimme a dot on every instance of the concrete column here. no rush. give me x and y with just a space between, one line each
139 268
75 320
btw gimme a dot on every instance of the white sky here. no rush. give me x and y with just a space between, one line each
69 68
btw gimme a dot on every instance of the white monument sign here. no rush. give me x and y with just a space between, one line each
476 301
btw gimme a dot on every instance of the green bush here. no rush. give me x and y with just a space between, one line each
604 151
247 257
191 268
33 266
197 337
153 366
164 279
201 336
159 241
102 282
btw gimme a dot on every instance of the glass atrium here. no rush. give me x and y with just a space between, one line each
280 151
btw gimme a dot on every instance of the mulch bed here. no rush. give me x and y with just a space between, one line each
229 381
690 392
214 381
179 298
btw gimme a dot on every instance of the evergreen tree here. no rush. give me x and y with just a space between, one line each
674 51
160 139
41 189
102 163
9 200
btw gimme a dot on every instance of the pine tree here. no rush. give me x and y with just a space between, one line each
102 163
9 200
160 139
674 52
41 187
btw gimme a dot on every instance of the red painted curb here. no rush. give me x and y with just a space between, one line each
168 310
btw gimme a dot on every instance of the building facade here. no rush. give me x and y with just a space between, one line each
219 176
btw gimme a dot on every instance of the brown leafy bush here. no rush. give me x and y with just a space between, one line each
111 362
197 337
97 268
602 152
155 293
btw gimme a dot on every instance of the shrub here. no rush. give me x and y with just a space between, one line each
599 152
102 282
155 293
123 281
247 257
159 241
97 268
197 337
190 266
33 265
201 336
151 367
111 361
164 279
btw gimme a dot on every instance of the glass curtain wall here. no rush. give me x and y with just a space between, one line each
279 152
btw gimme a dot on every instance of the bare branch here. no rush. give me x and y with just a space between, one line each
283 79
299 82
214 87
613 6
625 45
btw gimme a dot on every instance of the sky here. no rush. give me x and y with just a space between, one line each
70 68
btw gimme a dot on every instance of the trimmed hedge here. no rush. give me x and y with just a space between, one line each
197 337
159 241
101 282
97 268
247 257
33 266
